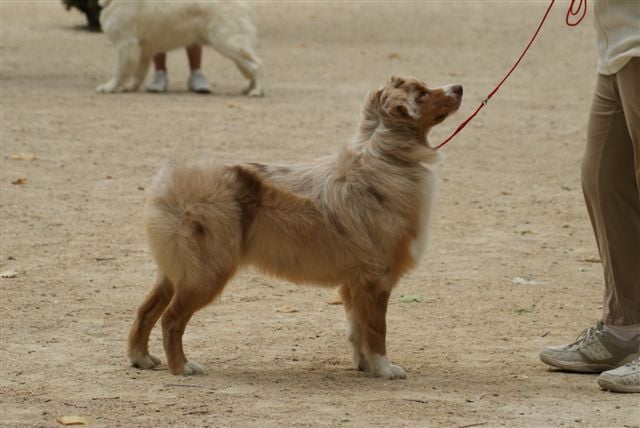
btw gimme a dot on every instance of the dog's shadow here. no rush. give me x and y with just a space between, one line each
230 94
239 380
79 28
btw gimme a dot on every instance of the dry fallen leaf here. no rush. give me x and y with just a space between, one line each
19 181
71 420
335 298
9 274
286 310
24 156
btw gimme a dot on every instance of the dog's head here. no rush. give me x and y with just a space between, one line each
405 101
405 109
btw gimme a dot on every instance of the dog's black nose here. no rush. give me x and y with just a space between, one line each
457 89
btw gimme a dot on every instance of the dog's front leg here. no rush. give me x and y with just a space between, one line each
369 301
128 57
354 330
140 73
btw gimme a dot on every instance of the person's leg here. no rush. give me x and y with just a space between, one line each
159 81
609 181
622 296
197 82
194 55
610 177
630 97
160 62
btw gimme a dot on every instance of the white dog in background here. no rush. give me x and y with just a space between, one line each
142 28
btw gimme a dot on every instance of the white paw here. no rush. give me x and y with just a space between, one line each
106 88
191 368
144 362
379 366
253 92
132 87
391 372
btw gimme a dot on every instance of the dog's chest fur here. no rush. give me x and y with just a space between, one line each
427 199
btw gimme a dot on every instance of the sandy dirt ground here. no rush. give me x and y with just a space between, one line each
509 207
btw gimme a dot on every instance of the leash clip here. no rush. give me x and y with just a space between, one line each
485 101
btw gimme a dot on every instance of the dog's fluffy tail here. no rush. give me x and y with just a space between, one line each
104 3
186 216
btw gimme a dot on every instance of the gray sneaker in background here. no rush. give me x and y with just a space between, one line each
159 82
622 379
594 351
198 83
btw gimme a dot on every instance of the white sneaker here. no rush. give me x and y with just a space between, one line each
622 379
159 82
198 83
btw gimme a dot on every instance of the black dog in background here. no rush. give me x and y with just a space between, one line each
90 8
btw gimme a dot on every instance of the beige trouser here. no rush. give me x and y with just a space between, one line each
611 183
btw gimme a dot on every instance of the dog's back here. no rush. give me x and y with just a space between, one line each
164 26
195 210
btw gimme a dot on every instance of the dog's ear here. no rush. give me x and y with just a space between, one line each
396 81
373 102
402 111
394 101
399 107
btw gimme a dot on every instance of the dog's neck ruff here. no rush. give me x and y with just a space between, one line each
406 146
388 145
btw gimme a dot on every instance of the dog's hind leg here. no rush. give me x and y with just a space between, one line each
148 314
186 301
240 51
251 68
128 58
369 300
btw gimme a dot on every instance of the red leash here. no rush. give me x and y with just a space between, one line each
571 12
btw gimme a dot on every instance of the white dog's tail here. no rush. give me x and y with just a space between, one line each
104 3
